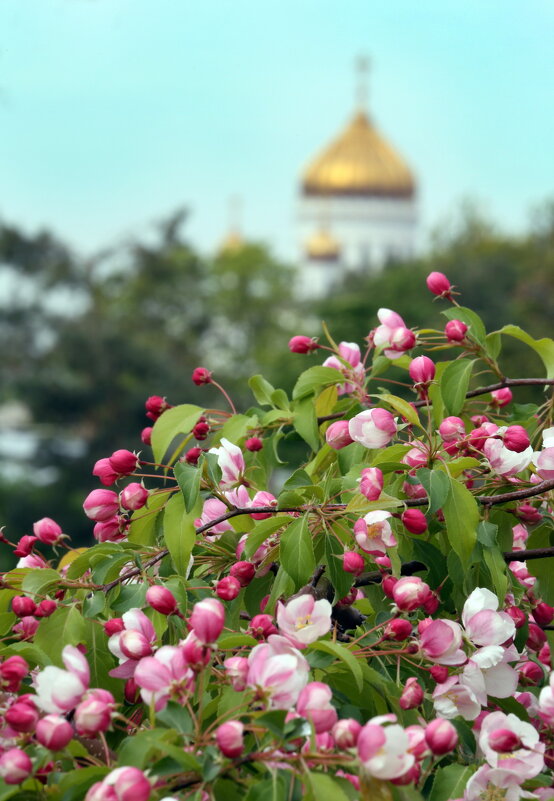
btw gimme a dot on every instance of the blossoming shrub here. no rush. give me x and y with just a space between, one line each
374 624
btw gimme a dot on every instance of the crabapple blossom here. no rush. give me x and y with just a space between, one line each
164 675
22 605
383 748
236 668
314 704
524 754
15 766
277 671
410 592
60 690
452 429
254 444
196 654
124 462
161 599
352 562
243 571
12 671
261 626
398 630
228 588
501 397
441 736
392 334
337 435
201 375
504 461
422 370
93 715
134 496
230 461
515 438
132 643
372 428
146 435
441 642
230 738
373 532
207 620
304 620
156 406
455 330
22 716
371 483
261 498
213 509
122 784
414 520
482 623
101 504
47 531
412 694
349 352
346 732
54 732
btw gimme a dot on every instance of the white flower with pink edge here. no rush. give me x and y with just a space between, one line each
373 532
60 690
304 620
230 461
383 748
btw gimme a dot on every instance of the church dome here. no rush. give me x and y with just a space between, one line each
322 246
359 163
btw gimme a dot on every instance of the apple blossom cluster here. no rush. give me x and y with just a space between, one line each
378 617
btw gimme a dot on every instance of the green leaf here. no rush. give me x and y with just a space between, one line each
297 552
544 347
305 422
437 486
178 420
471 319
139 749
179 533
497 568
176 717
261 389
144 521
262 531
38 582
237 427
74 785
323 787
454 383
326 401
315 377
359 504
402 407
346 657
188 477
282 586
65 626
450 782
340 579
462 516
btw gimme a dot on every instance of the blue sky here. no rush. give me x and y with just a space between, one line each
114 112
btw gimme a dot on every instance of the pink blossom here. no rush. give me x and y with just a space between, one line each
346 732
412 694
352 562
441 642
15 766
132 643
373 532
349 352
122 784
314 704
490 782
47 531
501 397
452 698
483 624
525 761
60 690
93 715
383 749
516 438
410 592
237 670
124 462
104 471
414 520
392 334
231 463
12 671
32 560
212 509
373 428
545 463
397 630
304 620
227 588
134 496
452 429
164 675
54 732
22 605
201 375
22 715
243 571
520 537
262 498
230 738
503 461
422 370
161 599
371 483
417 456
441 736
546 703
418 744
278 672
207 620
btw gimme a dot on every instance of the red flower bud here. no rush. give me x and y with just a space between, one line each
12 671
528 513
54 732
201 375
227 588
134 496
22 716
441 736
114 626
530 673
47 531
536 638
455 330
439 673
253 444
412 694
155 406
146 435
504 741
398 630
302 344
192 455
388 585
229 737
104 471
518 616
25 545
45 608
543 614
101 504
124 462
422 370
501 397
23 606
261 626
516 439
414 520
337 435
244 572
201 430
438 284
161 599
353 562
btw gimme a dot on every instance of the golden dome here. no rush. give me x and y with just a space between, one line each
359 163
232 243
322 246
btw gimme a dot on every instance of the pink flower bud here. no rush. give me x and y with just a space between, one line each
26 628
201 429
201 375
92 716
124 462
518 616
353 562
531 673
516 439
146 435
302 344
15 766
503 741
455 330
114 626
536 638
441 736
388 585
104 471
227 588
25 545
414 490
452 429
207 619
438 284
543 614
253 444
192 455
501 397
197 655
414 520
431 604
314 704
131 785
439 673
479 436
412 694
237 670
345 733
23 606
54 732
373 428
101 504
337 435
544 655
134 645
244 572
131 691
156 406
261 626
134 496
397 630
12 671
111 530
161 599
422 370
410 592
371 483
22 716
528 513
230 739
47 531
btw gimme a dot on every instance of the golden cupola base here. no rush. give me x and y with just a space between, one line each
322 246
359 163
